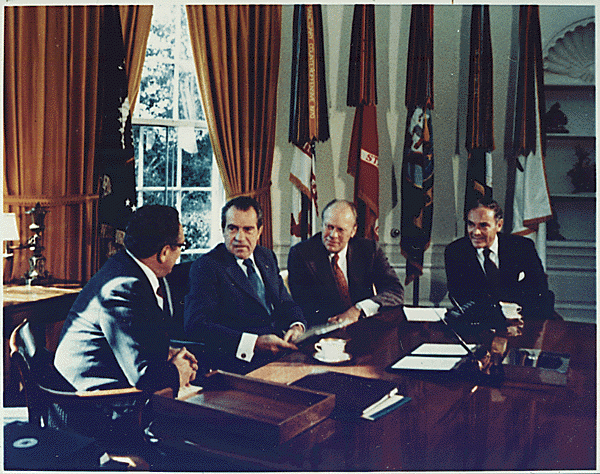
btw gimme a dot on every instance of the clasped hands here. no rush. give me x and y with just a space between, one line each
186 364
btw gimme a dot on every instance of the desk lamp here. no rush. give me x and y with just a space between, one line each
10 232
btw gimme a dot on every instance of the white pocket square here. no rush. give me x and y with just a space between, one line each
521 276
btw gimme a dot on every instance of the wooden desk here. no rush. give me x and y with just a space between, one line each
43 304
450 424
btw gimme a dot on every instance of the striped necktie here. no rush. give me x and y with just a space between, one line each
340 281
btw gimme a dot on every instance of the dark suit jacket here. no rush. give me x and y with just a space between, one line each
116 335
221 304
522 277
313 286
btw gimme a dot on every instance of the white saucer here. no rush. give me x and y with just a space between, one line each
344 357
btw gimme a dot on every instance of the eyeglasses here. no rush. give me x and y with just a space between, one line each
184 245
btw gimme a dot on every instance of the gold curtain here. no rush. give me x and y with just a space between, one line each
50 80
135 23
236 50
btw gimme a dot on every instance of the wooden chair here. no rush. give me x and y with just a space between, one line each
52 401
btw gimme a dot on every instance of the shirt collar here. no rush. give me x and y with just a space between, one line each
493 248
342 254
152 278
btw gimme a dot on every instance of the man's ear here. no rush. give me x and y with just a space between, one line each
500 224
162 255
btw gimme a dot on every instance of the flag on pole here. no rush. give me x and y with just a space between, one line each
417 163
363 157
114 153
480 113
531 205
308 116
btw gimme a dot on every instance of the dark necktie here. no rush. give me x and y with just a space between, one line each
256 283
491 270
340 281
162 292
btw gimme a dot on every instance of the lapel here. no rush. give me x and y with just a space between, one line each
473 262
322 267
239 278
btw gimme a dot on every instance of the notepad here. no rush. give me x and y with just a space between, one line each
410 362
433 356
424 314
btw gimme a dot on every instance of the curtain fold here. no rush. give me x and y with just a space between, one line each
236 51
50 116
135 23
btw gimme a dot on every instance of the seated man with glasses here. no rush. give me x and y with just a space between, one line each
238 305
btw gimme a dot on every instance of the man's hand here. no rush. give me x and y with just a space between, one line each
294 333
348 317
186 364
272 343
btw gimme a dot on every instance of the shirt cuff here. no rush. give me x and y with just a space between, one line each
245 350
369 307
300 323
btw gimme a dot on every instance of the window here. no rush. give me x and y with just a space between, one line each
175 165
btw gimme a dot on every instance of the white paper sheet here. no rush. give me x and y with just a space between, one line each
442 349
411 362
424 314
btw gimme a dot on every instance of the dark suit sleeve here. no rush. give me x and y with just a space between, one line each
203 305
458 274
286 311
390 292
308 290
526 282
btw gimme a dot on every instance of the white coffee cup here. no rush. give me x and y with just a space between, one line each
331 347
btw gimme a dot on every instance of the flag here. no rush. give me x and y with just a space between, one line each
115 164
417 163
531 205
363 157
309 121
480 113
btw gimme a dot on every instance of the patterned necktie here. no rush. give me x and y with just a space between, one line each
340 281
256 283
491 270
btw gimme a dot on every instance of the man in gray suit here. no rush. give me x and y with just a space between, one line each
332 274
238 305
116 335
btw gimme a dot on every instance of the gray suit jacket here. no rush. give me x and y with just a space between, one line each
116 335
313 286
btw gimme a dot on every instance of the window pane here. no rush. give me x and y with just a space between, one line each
195 217
159 159
190 107
161 41
156 91
197 164
153 197
186 45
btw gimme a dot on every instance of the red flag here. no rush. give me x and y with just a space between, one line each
363 158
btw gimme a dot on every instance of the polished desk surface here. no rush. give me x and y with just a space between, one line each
15 295
451 423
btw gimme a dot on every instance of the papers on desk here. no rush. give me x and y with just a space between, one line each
433 356
424 314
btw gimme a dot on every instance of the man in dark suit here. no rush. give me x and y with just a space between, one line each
116 333
238 304
332 274
491 267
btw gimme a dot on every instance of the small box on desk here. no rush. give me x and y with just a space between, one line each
536 366
249 407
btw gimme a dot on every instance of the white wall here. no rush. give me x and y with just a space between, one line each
451 50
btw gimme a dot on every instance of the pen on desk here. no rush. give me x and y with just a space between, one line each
460 339
455 303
